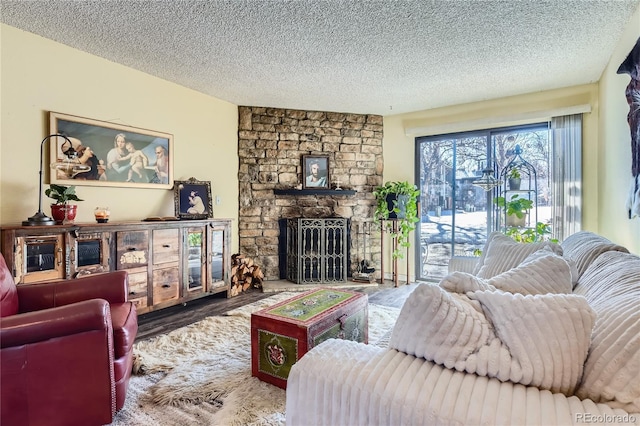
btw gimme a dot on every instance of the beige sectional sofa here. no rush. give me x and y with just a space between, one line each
539 334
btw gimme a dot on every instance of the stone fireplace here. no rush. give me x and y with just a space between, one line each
271 143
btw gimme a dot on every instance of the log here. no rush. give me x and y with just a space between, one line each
244 274
257 273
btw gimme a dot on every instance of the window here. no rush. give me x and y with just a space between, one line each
456 216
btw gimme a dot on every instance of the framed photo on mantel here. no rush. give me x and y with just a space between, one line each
118 155
315 172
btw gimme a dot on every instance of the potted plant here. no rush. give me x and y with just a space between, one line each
516 208
542 232
61 210
514 179
398 201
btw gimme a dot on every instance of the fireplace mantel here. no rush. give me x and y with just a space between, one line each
300 192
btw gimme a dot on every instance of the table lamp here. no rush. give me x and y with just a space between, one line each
70 167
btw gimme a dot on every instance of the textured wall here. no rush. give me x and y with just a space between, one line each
271 143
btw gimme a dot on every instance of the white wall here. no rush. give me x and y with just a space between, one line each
39 75
614 148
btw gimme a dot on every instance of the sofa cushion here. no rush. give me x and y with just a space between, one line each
539 340
584 247
502 253
8 291
542 272
611 284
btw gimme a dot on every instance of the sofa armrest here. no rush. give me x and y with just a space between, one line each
463 264
38 326
110 286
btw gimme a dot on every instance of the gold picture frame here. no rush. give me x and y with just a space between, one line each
118 155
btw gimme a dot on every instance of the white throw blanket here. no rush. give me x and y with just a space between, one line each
537 340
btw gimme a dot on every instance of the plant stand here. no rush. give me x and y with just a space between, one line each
529 191
394 246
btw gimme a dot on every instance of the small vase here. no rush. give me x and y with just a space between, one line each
63 213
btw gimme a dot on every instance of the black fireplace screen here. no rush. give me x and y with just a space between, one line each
317 250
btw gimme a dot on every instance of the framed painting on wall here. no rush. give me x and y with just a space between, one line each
193 199
118 155
315 171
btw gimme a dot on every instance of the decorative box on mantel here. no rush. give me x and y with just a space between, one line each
283 333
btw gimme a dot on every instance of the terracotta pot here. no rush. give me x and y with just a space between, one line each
63 213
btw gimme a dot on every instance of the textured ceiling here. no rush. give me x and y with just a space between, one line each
381 57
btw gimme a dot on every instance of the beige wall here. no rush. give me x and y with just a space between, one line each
39 75
614 148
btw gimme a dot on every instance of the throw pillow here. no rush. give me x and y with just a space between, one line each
540 273
502 253
483 255
537 340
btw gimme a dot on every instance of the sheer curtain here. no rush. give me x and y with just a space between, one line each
566 175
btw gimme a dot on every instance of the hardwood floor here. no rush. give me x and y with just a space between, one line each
168 319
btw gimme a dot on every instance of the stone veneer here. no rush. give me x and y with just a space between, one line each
271 143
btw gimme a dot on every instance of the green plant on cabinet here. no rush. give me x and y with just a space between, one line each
404 199
62 194
62 211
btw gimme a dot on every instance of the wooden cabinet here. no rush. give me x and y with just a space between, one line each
167 262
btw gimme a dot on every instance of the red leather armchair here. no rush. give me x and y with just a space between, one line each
66 349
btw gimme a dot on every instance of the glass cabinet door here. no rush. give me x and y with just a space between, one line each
41 257
195 256
216 262
89 253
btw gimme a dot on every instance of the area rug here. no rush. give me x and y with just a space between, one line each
201 374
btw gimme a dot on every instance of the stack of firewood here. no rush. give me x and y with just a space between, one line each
244 274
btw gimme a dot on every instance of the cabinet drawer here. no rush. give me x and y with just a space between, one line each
166 282
132 249
166 246
139 303
137 284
